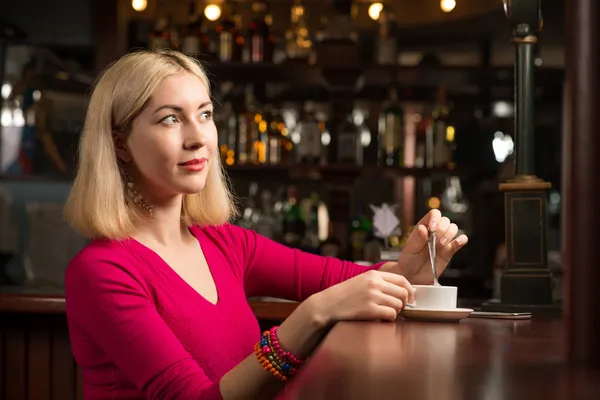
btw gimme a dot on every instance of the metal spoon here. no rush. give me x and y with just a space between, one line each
431 244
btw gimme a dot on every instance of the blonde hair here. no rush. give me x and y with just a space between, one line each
97 205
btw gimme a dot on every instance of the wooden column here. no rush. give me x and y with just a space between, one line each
581 177
105 32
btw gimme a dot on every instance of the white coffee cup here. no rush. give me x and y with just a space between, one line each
434 297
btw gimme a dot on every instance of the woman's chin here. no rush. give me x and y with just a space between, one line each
193 188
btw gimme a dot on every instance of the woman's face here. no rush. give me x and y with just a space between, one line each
174 140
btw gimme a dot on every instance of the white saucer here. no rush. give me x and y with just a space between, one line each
424 314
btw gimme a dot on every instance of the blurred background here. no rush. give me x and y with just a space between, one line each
326 110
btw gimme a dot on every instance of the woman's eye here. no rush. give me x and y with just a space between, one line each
169 120
206 115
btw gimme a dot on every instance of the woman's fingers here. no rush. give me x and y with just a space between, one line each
448 235
447 252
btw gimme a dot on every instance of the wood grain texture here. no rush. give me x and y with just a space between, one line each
474 359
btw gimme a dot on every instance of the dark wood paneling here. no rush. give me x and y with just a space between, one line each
63 369
1 364
15 362
39 356
35 358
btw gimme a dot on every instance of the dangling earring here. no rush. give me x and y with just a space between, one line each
135 196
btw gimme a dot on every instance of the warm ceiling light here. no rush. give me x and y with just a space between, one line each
139 5
375 10
212 12
447 5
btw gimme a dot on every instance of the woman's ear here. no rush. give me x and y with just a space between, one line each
121 147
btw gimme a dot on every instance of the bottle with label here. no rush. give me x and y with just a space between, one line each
391 132
261 43
230 40
194 40
350 149
309 147
441 147
387 50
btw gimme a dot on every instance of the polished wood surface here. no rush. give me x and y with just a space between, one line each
581 180
474 359
25 300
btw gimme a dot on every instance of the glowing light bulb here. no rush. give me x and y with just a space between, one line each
375 10
212 12
447 5
139 5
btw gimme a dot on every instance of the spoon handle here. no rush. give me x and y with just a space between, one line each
431 244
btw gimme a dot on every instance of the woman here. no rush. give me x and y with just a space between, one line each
156 303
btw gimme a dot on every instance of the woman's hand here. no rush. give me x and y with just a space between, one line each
414 261
369 296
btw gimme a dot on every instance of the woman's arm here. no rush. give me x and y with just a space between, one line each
112 308
299 333
272 269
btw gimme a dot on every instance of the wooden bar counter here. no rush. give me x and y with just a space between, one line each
474 359
35 354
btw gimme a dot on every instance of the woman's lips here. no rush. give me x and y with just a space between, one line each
194 165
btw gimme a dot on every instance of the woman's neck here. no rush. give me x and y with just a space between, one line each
165 227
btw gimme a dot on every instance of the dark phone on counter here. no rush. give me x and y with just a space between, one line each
500 315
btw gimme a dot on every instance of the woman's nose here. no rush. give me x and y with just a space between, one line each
194 138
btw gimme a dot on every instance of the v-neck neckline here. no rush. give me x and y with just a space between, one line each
209 262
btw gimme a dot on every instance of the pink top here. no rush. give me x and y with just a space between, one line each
138 330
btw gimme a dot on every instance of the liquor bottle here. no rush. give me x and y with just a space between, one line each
226 129
391 132
311 210
159 37
261 143
265 223
441 146
229 39
287 147
294 225
194 40
309 147
248 129
360 228
275 126
350 149
387 50
261 42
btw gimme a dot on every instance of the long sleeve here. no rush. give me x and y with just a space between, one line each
272 269
109 304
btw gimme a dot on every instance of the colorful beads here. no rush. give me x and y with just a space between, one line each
282 364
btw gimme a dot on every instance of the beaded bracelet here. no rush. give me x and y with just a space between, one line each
267 365
285 355
282 364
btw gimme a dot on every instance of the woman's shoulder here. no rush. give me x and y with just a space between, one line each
101 256
225 233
